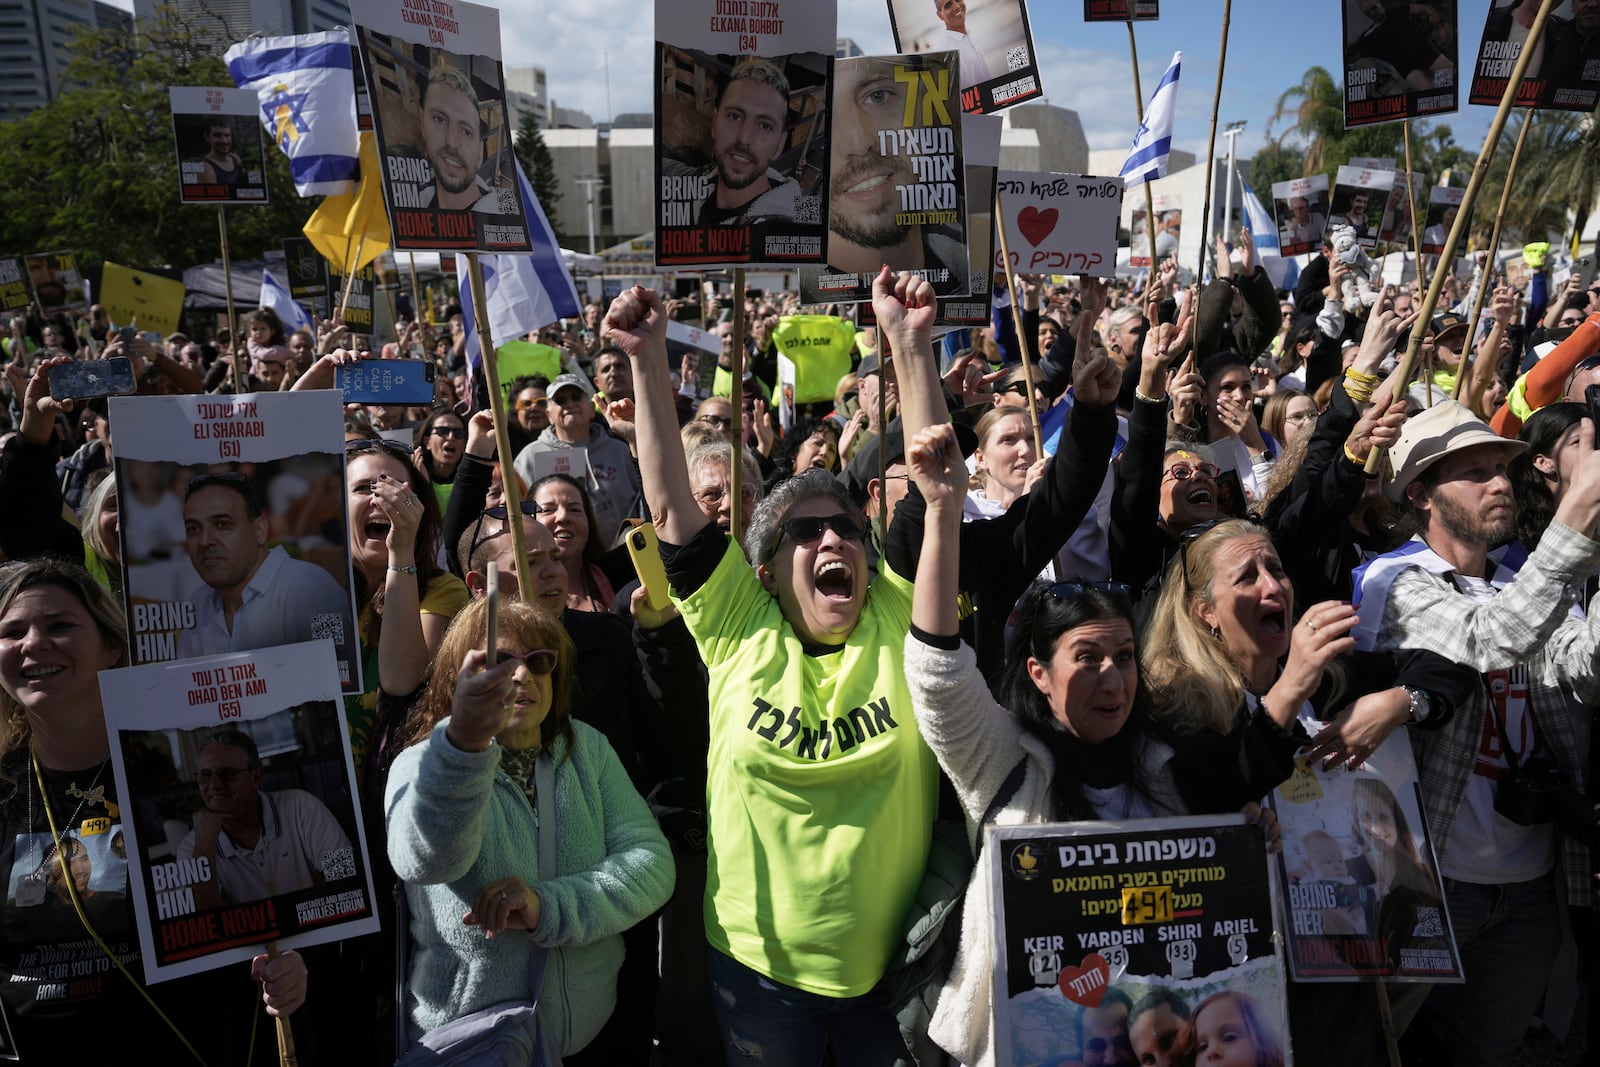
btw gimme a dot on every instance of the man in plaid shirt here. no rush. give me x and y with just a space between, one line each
1513 616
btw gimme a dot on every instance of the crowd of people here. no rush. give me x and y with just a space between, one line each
909 616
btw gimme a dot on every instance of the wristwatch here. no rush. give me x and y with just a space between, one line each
1421 706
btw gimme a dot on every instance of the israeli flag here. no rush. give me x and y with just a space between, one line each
1264 232
525 292
276 295
1152 145
308 104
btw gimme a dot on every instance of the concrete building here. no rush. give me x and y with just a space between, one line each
224 22
35 46
1042 137
622 205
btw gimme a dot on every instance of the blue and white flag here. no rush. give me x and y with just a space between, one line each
1152 145
275 295
1264 232
308 104
525 292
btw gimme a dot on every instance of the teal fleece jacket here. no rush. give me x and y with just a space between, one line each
457 823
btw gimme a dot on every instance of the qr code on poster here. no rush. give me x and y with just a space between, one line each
338 863
509 200
329 626
808 210
1017 58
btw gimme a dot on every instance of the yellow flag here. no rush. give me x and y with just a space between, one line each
349 222
129 296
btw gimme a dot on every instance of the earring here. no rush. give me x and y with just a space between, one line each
1216 634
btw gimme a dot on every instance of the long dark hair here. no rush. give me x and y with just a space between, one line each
1044 616
428 529
1536 499
594 547
420 439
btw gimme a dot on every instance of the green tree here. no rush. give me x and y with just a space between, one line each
537 163
1555 182
94 170
1275 163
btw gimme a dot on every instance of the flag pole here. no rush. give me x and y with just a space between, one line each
1211 143
1480 170
1494 247
736 359
1411 206
1149 197
502 430
350 278
416 290
227 285
1016 321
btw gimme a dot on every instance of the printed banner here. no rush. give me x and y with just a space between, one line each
1361 886
14 295
1169 225
693 352
218 134
899 178
1300 207
57 285
1444 203
1117 10
306 270
1060 223
1396 225
998 65
1096 924
444 133
980 144
744 91
1564 76
237 536
1399 60
241 824
358 311
131 296
1371 163
1359 198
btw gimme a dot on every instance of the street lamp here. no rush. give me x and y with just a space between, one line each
1231 132
589 184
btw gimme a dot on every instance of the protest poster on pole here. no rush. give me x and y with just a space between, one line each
693 353
899 181
444 133
1359 197
998 65
1444 203
1169 225
1399 61
1300 207
1564 76
358 310
233 525
1060 223
980 144
306 270
1371 162
744 91
56 283
209 753
1117 10
1090 919
14 294
218 136
1357 870
1396 225
153 301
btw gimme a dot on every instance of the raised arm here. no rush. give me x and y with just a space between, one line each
906 309
637 322
937 467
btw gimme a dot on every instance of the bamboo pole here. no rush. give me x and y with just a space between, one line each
1411 207
1211 143
736 358
227 284
286 1053
1463 215
502 429
350 277
1489 263
1016 318
1138 110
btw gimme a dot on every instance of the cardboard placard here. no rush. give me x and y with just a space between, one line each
153 301
359 310
980 144
56 283
998 64
14 295
259 560
1060 223
1360 196
1117 10
1400 61
444 133
307 271
744 95
1564 76
240 744
1169 225
1396 225
218 136
1300 206
1443 204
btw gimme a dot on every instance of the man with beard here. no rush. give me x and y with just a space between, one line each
1506 613
974 68
452 138
748 130
220 166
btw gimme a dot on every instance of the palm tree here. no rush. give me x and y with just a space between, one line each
1317 107
1556 180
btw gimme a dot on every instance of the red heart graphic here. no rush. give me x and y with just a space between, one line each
1086 984
1036 225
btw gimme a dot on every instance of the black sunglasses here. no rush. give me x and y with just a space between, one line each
539 661
1068 590
449 431
1189 537
528 507
808 529
363 445
1018 387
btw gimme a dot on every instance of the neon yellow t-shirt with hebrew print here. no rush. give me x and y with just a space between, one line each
820 791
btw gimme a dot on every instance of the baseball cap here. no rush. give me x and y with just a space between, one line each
1449 327
564 380
1446 427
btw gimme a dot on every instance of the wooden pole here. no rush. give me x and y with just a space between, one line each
286 1053
1138 110
416 291
227 284
736 358
1411 207
1463 215
885 353
1494 247
350 277
1211 142
502 429
1016 318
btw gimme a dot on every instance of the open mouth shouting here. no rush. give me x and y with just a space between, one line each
835 580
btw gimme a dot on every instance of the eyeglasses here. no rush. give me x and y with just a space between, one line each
1020 388
1182 472
721 422
527 507
225 775
1068 590
1304 416
540 661
458 432
1575 320
808 529
713 496
534 404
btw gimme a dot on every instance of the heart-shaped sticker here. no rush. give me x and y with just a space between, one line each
1086 984
1036 225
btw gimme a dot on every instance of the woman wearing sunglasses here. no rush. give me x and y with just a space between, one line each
822 795
441 441
464 835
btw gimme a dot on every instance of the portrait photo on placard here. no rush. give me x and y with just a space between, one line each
998 66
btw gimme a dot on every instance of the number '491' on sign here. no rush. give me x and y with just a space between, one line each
1146 904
